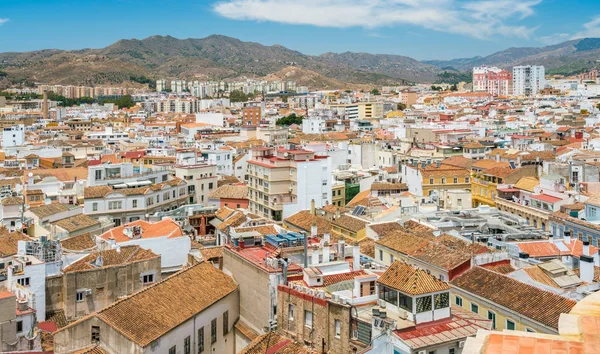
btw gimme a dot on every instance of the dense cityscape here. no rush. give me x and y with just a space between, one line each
317 207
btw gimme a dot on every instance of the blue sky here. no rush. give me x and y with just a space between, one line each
423 29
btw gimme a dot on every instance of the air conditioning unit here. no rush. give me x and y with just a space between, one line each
88 292
461 344
381 303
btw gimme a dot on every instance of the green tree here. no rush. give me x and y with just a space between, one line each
348 91
375 92
238 96
289 120
401 106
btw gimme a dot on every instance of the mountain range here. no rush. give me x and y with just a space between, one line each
219 57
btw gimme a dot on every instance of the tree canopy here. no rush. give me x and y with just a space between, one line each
238 96
290 119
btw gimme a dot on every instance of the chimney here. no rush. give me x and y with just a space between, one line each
312 207
284 265
518 160
241 243
586 248
356 256
567 237
327 238
497 156
112 242
315 256
342 249
313 230
326 252
550 238
586 268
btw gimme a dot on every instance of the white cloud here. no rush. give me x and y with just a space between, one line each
590 29
3 21
554 38
478 19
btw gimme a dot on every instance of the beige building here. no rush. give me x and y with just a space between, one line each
408 98
201 181
100 279
192 311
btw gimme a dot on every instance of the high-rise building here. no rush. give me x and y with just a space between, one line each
528 80
283 182
493 80
161 85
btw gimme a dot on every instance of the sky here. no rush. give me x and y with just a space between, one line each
422 29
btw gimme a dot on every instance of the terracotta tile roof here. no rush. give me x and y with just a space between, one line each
458 161
527 183
550 249
501 172
486 163
102 191
444 171
304 219
156 310
235 220
505 343
337 278
410 280
246 330
386 186
76 222
64 174
94 349
416 227
539 305
166 227
273 343
9 243
437 254
459 325
261 229
502 267
223 213
362 198
211 252
385 228
111 258
79 243
230 191
225 180
12 201
403 242
350 223
58 317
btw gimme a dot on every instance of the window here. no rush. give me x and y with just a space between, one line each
98 175
210 185
492 316
443 181
458 301
201 340
529 330
431 181
451 351
147 279
186 345
94 206
173 350
23 281
474 308
213 331
95 334
135 203
291 312
455 180
441 301
423 304
391 258
115 205
225 323
79 296
380 255
338 328
19 326
466 179
510 325
308 319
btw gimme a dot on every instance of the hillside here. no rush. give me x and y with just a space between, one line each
214 57
565 58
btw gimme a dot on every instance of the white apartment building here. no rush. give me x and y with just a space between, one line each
13 136
283 182
528 80
125 172
221 158
125 203
493 80
108 136
161 85
201 181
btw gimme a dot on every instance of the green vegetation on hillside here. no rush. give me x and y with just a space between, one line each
289 120
450 77
238 96
121 102
143 80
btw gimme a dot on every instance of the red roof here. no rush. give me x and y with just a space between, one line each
551 249
166 227
47 326
546 198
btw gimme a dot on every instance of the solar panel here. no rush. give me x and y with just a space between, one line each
512 165
358 210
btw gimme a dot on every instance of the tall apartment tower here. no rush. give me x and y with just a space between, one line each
495 81
161 85
528 80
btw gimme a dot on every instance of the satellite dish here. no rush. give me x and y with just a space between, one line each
285 154
47 201
30 174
